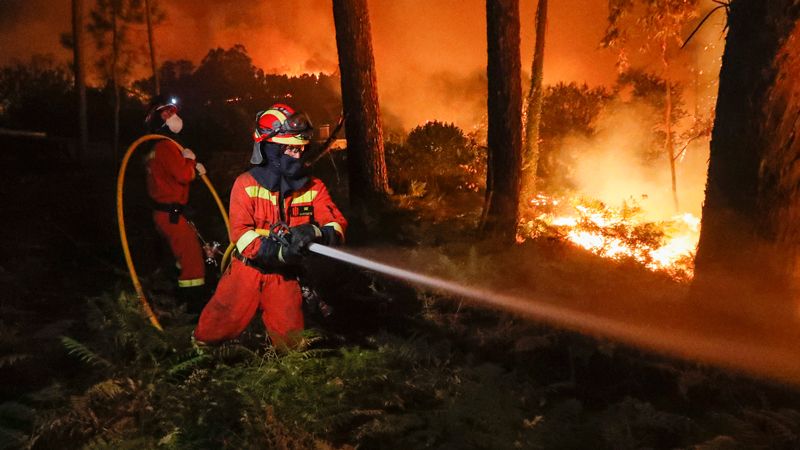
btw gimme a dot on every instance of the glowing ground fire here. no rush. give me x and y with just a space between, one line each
617 233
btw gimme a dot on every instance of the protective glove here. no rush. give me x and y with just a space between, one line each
299 238
330 236
294 253
201 169
273 253
188 153
304 234
269 253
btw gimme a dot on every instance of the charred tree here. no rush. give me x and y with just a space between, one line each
368 183
148 14
501 205
751 216
533 115
80 76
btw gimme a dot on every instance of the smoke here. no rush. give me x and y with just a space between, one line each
33 27
611 167
614 166
430 57
281 37
9 10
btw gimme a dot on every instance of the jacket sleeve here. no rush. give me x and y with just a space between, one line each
180 168
328 217
242 218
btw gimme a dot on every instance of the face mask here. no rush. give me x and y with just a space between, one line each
292 168
174 123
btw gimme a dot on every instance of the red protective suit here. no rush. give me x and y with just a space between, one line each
168 178
243 288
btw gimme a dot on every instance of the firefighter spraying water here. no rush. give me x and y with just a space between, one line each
277 210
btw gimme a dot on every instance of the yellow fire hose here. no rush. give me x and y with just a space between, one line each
226 258
121 220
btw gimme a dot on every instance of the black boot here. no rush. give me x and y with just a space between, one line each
195 298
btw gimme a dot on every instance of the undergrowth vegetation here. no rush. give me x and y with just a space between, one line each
461 378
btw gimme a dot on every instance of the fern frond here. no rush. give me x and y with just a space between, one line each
106 389
84 353
314 353
187 364
12 359
228 352
171 439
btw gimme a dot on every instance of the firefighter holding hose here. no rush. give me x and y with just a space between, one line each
276 211
170 171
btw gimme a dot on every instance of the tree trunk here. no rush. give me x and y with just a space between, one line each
669 147
368 184
152 42
533 117
114 76
751 216
80 76
505 122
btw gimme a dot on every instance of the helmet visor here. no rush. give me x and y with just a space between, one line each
298 124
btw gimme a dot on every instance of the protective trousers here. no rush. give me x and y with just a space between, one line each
240 293
185 247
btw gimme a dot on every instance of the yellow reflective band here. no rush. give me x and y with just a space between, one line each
290 140
307 197
248 237
336 227
245 240
260 192
191 283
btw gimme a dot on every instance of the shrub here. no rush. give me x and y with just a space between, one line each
441 156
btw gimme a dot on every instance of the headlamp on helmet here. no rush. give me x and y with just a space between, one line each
157 106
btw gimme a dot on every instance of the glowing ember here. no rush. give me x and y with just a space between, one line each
619 234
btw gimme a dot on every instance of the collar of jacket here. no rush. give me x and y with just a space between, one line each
274 181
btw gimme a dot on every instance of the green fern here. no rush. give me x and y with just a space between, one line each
84 353
188 364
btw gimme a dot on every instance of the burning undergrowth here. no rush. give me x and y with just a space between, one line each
620 233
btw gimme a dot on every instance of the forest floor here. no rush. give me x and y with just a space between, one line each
393 367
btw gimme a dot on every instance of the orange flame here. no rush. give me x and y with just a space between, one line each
617 233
